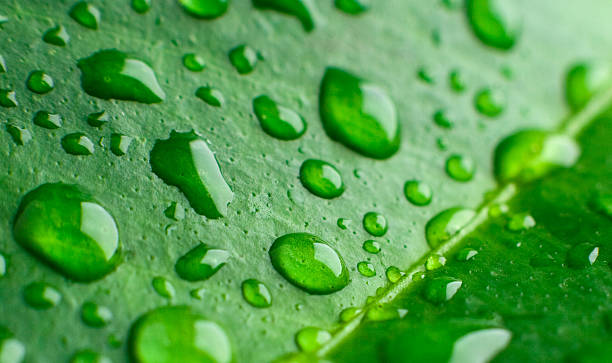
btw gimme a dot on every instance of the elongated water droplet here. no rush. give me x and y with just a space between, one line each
194 62
194 339
310 339
205 9
434 262
375 224
77 144
278 121
446 224
384 313
309 263
495 22
441 289
393 274
68 229
48 120
243 58
490 102
113 74
441 119
352 7
40 82
460 168
57 36
3 265
8 98
424 75
303 10
95 315
11 349
366 269
583 80
417 192
466 254
89 356
41 295
163 287
530 154
20 135
456 81
321 179
210 95
371 246
86 14
120 144
256 293
520 222
184 160
358 114
201 262
141 6
582 255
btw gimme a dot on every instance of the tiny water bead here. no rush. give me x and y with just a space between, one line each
441 119
466 254
490 102
371 246
48 120
520 222
243 58
321 179
193 338
309 263
583 80
175 211
20 135
112 74
343 223
384 313
163 287
77 144
447 224
424 75
40 82
352 7
278 121
256 293
366 269
89 356
310 339
303 10
460 168
418 193
8 98
530 154
210 95
456 81
201 262
185 161
495 22
11 349
65 227
375 224
434 262
95 315
57 36
198 293
394 274
582 255
205 9
194 62
41 295
120 144
2 65
358 114
86 14
98 119
441 289
141 6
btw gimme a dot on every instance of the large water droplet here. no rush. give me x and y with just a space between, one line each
358 114
57 36
321 179
86 14
278 121
11 349
446 224
417 192
441 289
375 224
310 339
8 98
495 22
68 229
48 120
583 80
185 161
582 255
309 263
256 293
176 334
41 295
460 168
352 7
205 9
201 262
89 356
95 315
77 144
243 58
303 10
113 74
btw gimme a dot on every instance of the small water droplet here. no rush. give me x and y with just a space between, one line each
256 293
520 222
243 58
48 120
57 36
447 224
40 82
198 293
496 23
2 65
86 14
41 295
141 6
441 289
441 119
8 98
434 262
490 102
205 9
582 255
375 224
371 246
424 75
120 144
353 7
303 10
89 356
344 223
321 179
11 349
175 211
418 193
583 80
383 313
278 121
77 144
366 269
194 62
466 254
394 274
95 315
348 314
3 265
201 262
20 135
210 95
163 287
460 168
456 81
498 210
310 339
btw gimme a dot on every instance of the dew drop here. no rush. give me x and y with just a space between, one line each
447 224
41 295
375 224
417 192
89 356
348 314
495 22
141 6
20 135
490 102
310 339
366 269
303 10
460 168
583 80
175 211
520 222
371 246
424 75
120 144
321 179
441 119
2 64
205 9
163 287
256 293
243 58
77 144
343 223
353 7
582 255
198 293
466 254
456 81
434 262
11 349
194 62
48 120
57 36
201 262
383 313
278 121
86 14
40 82
3 265
95 315
393 274
8 98
441 289
211 96
98 119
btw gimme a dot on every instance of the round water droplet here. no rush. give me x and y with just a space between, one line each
495 22
11 349
212 96
417 192
375 224
520 222
68 229
95 315
41 295
366 269
89 356
111 74
86 14
278 121
184 160
352 7
321 179
303 10
582 255
466 254
48 120
447 224
490 102
460 168
77 144
8 98
120 144
194 339
309 263
163 287
40 82
441 289
141 6
358 114
194 62
310 339
434 262
456 81
256 293
371 246
243 58
205 9
57 36
201 262
393 274
583 80
19 135
441 119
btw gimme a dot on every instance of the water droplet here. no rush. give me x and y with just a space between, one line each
205 9
198 293
303 10
57 36
175 211
40 82
243 58
583 80
98 119
383 313
278 121
113 74
456 81
309 263
120 144
582 255
48 120
163 287
141 6
466 254
8 98
184 160
602 203
348 314
201 262
441 289
498 210
194 62
2 265
256 293
366 269
77 144
358 114
490 102
394 274
446 224
530 154
310 339
11 349
352 7
194 339
434 262
86 14
89 356
375 224
2 64
41 295
68 229
344 223
371 246
417 192
210 95
321 179
20 135
495 22
425 76
520 222
441 119
95 315
460 168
